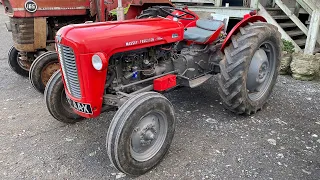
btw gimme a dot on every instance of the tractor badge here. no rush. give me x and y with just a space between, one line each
31 6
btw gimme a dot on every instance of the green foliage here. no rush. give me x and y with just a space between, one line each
288 46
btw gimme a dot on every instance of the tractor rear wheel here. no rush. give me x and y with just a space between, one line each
42 69
153 12
140 133
57 102
18 66
249 69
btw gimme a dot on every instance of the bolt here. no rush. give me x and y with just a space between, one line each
149 135
142 142
136 129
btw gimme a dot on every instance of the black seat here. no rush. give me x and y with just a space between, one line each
203 30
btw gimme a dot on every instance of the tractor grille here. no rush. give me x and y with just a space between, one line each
69 68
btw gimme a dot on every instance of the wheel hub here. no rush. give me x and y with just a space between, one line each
23 61
263 72
148 136
48 71
145 134
258 70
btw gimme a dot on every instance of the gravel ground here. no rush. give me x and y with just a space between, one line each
280 142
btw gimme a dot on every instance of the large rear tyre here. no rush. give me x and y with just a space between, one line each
16 64
153 12
42 69
250 68
57 102
140 133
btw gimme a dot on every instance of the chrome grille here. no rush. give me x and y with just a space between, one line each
69 68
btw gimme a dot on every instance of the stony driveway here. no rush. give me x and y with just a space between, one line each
280 142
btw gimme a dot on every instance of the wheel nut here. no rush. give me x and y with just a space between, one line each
136 129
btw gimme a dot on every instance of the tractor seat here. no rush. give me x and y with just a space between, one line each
203 30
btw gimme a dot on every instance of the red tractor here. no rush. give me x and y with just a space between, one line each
34 23
124 65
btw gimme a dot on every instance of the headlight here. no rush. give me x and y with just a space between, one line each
97 62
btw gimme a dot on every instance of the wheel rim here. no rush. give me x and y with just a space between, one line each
24 64
64 102
48 71
261 71
148 136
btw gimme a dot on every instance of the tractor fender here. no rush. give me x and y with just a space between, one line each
237 27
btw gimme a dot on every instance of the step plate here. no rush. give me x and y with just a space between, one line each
198 81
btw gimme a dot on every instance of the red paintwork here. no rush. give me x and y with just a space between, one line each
164 83
247 18
215 35
62 8
110 38
47 8
183 21
50 13
192 24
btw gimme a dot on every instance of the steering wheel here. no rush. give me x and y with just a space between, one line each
166 9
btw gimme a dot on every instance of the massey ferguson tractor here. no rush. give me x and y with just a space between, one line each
34 23
125 65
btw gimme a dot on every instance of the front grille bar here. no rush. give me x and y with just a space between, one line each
69 69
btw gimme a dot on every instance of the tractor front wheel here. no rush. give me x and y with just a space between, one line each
249 69
16 64
57 102
140 133
42 69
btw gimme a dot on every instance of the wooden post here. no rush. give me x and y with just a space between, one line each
304 4
263 12
297 9
294 18
218 3
313 32
273 3
254 4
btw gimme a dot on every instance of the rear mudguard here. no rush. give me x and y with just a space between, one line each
236 28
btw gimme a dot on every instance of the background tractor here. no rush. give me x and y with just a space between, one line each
34 23
120 65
